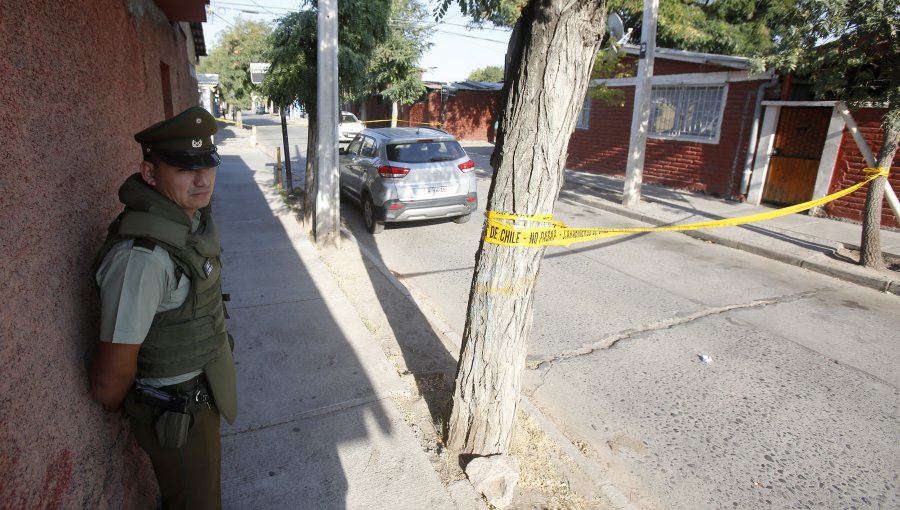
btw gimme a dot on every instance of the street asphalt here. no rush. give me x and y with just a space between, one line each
318 428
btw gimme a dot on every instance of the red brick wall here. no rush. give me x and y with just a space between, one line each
79 79
603 148
849 170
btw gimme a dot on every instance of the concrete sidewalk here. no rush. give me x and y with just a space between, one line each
819 244
317 427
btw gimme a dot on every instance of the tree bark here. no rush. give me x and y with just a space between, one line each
870 246
288 175
310 187
552 50
394 113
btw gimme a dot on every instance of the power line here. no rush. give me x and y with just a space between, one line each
255 4
430 24
505 43
214 13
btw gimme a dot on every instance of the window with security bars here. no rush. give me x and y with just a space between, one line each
584 117
687 113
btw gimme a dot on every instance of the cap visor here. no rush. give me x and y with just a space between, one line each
192 162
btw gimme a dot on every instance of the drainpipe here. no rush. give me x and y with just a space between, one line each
754 135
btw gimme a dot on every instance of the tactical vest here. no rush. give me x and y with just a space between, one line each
192 336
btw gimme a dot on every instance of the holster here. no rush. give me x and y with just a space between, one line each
169 413
172 429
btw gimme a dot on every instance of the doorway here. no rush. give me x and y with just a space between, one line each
794 164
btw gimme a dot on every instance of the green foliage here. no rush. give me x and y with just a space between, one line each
733 27
859 64
393 70
292 76
234 49
501 13
362 25
609 65
489 73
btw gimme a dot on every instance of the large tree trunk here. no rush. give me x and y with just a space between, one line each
552 52
870 245
310 187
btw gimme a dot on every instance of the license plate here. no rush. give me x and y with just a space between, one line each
436 189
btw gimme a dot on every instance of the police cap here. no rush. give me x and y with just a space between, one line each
184 141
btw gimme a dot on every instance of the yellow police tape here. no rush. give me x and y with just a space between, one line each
437 124
401 120
498 232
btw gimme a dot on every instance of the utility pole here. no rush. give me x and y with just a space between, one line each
640 119
327 220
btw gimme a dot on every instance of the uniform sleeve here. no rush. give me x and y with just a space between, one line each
133 283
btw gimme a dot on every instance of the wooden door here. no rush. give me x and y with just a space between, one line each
799 140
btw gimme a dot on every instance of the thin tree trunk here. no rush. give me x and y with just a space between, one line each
553 49
394 114
288 175
870 245
310 188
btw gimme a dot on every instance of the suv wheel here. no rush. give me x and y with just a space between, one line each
372 225
462 219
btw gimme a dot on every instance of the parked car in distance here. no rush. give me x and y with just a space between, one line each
260 110
348 127
406 174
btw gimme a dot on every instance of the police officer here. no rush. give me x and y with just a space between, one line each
165 355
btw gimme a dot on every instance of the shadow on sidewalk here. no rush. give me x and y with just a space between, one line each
425 355
308 410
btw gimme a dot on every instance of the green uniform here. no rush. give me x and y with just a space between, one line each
159 273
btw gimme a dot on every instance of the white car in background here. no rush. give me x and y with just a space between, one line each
348 127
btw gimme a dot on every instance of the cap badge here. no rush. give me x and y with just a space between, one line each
199 120
196 144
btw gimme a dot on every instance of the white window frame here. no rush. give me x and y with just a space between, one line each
584 118
685 97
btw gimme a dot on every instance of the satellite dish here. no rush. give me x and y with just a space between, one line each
615 27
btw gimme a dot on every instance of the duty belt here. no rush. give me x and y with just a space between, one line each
180 397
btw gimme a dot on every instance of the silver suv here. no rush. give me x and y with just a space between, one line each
404 174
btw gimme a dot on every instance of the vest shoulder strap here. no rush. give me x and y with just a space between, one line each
150 244
147 244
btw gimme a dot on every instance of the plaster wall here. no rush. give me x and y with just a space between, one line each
79 79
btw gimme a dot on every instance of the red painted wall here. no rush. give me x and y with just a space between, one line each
79 79
849 170
469 115
714 168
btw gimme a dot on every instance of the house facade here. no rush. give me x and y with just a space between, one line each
80 78
716 127
701 116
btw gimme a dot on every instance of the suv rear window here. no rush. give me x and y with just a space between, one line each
425 152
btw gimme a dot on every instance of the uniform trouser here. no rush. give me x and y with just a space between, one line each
189 477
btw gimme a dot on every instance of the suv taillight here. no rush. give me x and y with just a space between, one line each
392 172
468 166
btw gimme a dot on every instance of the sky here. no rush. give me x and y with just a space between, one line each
456 50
